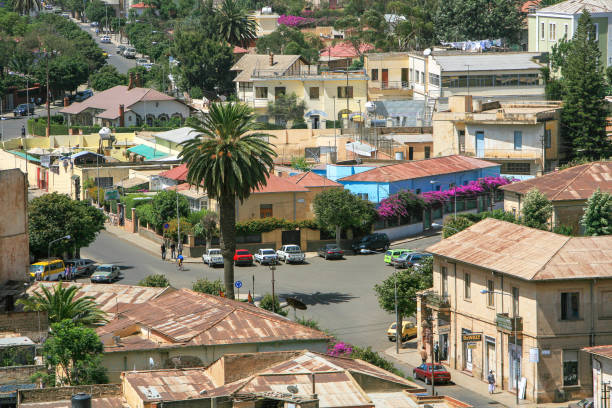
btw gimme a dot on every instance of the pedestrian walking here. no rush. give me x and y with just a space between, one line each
173 250
67 275
424 355
73 272
437 352
163 251
180 248
491 380
22 131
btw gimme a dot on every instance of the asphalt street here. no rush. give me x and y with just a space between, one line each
121 63
10 126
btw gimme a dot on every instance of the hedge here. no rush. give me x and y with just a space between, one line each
38 127
129 202
270 224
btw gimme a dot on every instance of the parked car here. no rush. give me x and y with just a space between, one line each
94 24
391 254
585 403
213 257
290 254
120 49
410 260
330 251
84 267
129 53
408 330
266 256
105 39
82 95
243 257
424 372
66 15
105 273
143 62
24 109
371 243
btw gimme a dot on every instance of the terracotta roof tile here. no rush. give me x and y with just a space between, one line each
277 184
604 351
177 173
345 50
310 179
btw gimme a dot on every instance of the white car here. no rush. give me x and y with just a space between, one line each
266 256
290 254
213 257
105 39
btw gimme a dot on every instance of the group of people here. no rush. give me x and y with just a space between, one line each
173 252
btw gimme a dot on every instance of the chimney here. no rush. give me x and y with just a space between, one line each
66 101
131 83
121 115
137 82
271 58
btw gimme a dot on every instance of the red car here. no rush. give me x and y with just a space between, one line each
423 372
243 257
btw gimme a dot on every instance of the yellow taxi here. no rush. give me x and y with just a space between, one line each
49 269
408 330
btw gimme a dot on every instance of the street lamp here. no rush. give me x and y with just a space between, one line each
55 240
516 373
272 269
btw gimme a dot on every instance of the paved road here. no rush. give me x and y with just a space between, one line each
10 126
122 64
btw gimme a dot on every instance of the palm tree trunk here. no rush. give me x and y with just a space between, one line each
227 229
338 234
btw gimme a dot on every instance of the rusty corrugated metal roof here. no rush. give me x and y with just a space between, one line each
185 317
574 183
110 298
109 402
528 253
169 385
604 351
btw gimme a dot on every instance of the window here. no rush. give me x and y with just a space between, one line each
570 367
547 138
411 72
417 191
434 79
518 140
467 289
103 182
404 77
423 77
438 187
363 196
570 306
261 92
279 91
374 75
427 152
444 281
417 76
314 92
596 25
345 92
265 210
490 293
410 153
516 168
542 34
461 141
245 86
565 31
552 31
515 301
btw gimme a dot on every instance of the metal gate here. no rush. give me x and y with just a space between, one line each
291 237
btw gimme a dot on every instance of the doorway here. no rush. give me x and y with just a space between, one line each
467 353
480 145
490 354
514 359
316 121
385 78
443 342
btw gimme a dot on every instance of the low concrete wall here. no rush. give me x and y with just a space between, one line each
64 393
18 374
34 325
150 235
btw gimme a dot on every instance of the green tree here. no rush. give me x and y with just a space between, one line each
287 107
313 324
453 225
229 159
370 356
300 163
272 304
536 210
76 351
584 114
164 207
207 227
336 209
106 78
235 25
26 7
95 11
290 41
597 218
60 304
155 281
206 286
54 215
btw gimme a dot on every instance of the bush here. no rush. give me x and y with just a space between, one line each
155 281
563 230
299 125
171 232
313 324
372 357
267 302
211 287
196 93
257 226
133 201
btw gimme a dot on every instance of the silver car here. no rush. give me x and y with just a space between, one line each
105 273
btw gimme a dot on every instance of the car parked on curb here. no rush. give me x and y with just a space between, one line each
94 24
266 256
585 403
372 243
82 95
84 267
105 273
24 109
120 49
243 257
105 39
290 254
408 330
213 257
129 53
424 372
330 251
410 260
392 254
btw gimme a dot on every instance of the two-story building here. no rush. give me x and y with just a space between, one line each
522 303
261 79
523 137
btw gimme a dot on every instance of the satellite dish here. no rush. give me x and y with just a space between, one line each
370 106
292 389
427 52
296 304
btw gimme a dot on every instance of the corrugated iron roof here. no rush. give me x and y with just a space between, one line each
603 351
109 298
169 385
528 253
109 402
493 61
185 317
577 6
177 173
420 168
574 183
275 184
310 179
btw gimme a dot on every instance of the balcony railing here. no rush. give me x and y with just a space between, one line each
506 322
522 154
438 301
308 71
392 85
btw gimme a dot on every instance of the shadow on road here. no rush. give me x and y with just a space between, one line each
318 298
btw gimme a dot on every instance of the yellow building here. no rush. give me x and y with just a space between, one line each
266 21
389 75
261 79
522 303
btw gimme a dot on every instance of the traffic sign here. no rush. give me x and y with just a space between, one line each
238 284
166 226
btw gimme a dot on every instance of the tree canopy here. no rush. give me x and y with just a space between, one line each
164 207
536 209
597 218
106 78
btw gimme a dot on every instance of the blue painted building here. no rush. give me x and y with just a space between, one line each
338 171
440 173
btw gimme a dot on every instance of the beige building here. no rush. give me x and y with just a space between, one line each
601 361
520 302
523 137
389 75
266 21
568 190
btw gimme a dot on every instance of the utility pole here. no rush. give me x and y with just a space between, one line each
47 99
178 223
272 269
399 332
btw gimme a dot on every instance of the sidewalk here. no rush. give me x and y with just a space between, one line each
412 357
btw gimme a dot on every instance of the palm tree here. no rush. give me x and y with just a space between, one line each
229 159
235 25
24 7
60 304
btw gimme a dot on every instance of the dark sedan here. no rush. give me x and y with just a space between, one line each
424 371
331 251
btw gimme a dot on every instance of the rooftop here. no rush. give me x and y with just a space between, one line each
602 351
148 152
492 61
179 135
345 50
574 183
16 341
275 184
310 179
108 402
420 168
178 173
528 253
248 63
577 6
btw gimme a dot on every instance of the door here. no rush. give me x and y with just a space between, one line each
480 145
405 78
385 78
514 358
316 122
467 355
292 237
490 362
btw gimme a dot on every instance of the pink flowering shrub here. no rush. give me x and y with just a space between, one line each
340 349
291 21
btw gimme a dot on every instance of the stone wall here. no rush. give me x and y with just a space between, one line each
64 393
14 246
30 324
18 374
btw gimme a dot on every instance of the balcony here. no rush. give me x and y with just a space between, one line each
308 72
437 301
509 324
530 153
